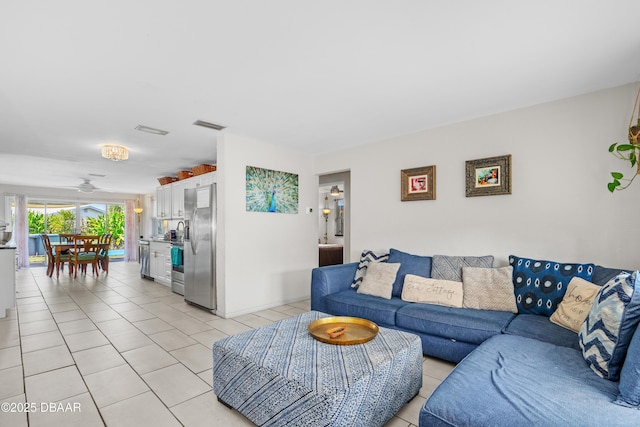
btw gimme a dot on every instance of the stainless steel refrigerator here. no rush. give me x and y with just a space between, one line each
200 246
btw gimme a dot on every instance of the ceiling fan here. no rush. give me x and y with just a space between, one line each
86 186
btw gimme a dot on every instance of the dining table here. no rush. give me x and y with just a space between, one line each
61 247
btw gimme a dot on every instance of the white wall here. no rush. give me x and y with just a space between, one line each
264 259
559 209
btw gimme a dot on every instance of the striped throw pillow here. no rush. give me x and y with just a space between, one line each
365 258
606 333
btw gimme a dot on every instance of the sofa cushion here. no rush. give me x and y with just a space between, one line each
409 264
463 324
432 291
606 333
365 258
602 275
350 303
541 329
489 288
379 279
444 348
575 304
630 375
450 267
540 285
517 381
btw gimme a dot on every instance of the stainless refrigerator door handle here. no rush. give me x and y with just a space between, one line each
194 238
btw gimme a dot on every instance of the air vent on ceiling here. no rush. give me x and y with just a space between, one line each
97 175
208 125
151 130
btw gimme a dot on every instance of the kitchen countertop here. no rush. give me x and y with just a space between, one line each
160 240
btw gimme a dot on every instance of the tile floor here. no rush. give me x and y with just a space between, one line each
118 350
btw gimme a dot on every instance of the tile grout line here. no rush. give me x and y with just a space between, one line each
94 323
69 349
99 290
150 389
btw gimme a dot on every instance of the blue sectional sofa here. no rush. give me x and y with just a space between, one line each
447 333
515 369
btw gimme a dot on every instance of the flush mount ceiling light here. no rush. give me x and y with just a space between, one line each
151 130
115 152
208 125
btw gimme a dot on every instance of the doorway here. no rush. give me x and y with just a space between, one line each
334 224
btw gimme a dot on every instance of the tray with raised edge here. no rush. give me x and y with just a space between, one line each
357 331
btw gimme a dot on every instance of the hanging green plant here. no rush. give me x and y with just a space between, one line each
627 152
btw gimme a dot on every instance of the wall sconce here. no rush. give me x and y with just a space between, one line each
335 191
138 209
325 213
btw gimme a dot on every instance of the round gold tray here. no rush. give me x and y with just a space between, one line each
358 330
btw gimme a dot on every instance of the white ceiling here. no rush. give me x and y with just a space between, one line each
316 76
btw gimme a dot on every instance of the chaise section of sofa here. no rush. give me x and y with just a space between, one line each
517 381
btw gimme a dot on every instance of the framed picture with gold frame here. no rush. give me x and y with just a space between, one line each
488 177
418 183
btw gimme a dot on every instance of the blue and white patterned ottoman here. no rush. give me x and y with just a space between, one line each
279 375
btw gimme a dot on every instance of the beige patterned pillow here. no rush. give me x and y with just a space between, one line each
432 291
489 288
379 279
576 304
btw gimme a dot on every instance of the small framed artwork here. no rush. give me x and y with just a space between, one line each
488 177
418 183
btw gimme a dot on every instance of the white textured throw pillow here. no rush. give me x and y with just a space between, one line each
489 288
576 304
379 279
432 291
365 258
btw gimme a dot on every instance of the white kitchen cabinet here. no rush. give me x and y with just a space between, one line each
7 280
163 198
160 262
204 179
170 197
177 198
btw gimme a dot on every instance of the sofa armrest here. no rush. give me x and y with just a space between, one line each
329 280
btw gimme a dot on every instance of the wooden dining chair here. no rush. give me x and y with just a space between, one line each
103 255
51 261
84 252
66 238
54 259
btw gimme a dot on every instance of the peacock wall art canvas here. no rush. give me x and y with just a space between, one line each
271 191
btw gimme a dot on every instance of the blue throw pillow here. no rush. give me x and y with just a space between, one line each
409 264
605 335
630 375
602 275
539 285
